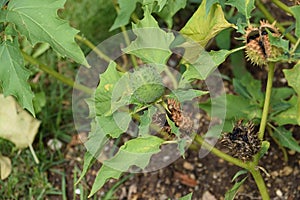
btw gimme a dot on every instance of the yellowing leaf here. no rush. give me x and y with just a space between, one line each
201 27
5 167
16 124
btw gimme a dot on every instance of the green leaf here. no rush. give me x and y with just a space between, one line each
279 42
39 101
286 138
105 173
145 121
209 4
174 128
296 12
249 88
290 115
220 56
293 78
96 140
187 197
38 21
152 44
88 160
114 125
265 145
201 27
230 194
127 8
244 6
237 107
170 9
241 172
223 39
14 75
186 95
103 93
135 152
204 65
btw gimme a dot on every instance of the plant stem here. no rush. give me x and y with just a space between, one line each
271 19
250 166
221 154
260 183
125 34
97 51
282 6
264 117
93 48
295 47
57 75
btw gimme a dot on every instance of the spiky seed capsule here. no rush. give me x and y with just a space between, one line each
243 141
147 84
258 47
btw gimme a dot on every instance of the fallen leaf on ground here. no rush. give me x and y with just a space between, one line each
5 167
16 124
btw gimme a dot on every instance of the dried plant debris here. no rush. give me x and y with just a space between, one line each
182 119
243 141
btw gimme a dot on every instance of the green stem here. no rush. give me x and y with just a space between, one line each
295 47
260 183
250 166
97 51
125 34
93 48
282 6
271 19
265 113
221 154
57 75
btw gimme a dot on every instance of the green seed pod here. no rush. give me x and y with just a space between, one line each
147 85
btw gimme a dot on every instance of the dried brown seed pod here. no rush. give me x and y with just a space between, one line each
243 141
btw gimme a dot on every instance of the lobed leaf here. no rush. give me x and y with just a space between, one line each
38 21
244 6
135 152
202 27
127 8
103 94
14 75
170 9
152 44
